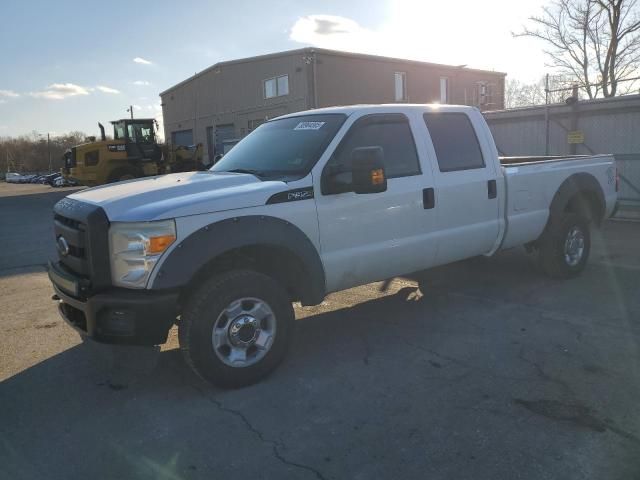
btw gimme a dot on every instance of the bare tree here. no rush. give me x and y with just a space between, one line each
521 94
596 42
31 154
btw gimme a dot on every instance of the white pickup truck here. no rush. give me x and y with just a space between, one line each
307 204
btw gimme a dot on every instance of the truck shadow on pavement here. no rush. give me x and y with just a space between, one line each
405 363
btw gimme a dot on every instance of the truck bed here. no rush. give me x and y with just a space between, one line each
532 182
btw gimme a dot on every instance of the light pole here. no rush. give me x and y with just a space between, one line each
130 110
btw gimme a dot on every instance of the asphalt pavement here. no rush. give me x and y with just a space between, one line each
494 372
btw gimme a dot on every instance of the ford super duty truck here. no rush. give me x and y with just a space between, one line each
307 204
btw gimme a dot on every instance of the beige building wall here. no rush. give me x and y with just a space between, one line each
232 93
344 79
229 96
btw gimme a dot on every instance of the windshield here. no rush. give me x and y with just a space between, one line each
290 146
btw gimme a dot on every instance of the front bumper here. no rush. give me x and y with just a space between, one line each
117 315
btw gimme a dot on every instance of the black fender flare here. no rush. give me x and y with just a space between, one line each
579 184
211 241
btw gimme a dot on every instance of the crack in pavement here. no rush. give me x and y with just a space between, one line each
574 413
569 318
543 374
274 444
483 371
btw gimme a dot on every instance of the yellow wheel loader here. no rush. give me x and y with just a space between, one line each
132 153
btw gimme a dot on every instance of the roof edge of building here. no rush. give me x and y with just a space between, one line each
325 51
284 53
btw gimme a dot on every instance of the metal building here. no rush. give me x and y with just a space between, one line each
229 99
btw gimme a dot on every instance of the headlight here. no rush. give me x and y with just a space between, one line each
135 249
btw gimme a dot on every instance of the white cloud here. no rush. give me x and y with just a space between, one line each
59 91
142 83
330 31
142 61
414 29
104 89
8 94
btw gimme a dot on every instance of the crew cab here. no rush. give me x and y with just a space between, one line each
307 204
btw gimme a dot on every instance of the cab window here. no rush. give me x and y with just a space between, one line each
454 140
118 131
392 133
140 133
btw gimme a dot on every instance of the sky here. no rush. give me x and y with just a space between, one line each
67 65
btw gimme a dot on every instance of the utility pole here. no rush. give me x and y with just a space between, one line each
546 115
130 110
49 150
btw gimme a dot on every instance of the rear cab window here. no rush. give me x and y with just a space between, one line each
454 141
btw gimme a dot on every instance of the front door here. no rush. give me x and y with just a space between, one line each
466 199
368 237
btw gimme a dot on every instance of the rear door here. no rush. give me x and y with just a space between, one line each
466 191
367 237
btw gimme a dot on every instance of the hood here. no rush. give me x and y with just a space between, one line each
179 194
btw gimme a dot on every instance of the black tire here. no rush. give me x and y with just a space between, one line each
552 254
203 311
122 174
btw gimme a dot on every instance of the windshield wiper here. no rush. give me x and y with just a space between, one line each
249 171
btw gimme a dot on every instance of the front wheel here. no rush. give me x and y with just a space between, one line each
564 247
236 328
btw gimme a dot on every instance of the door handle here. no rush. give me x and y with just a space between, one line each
492 189
428 198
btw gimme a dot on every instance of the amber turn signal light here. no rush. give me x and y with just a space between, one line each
377 176
160 244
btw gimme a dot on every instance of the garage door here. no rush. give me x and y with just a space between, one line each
182 137
224 132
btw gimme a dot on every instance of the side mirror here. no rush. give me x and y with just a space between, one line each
367 164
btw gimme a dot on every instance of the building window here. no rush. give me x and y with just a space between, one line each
444 90
276 87
401 86
484 97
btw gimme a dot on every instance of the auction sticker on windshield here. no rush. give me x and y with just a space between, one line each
309 126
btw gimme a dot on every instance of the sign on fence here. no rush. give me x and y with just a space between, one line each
575 136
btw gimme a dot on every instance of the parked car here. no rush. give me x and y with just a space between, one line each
307 204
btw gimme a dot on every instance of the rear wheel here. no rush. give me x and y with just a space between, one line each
563 249
236 328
